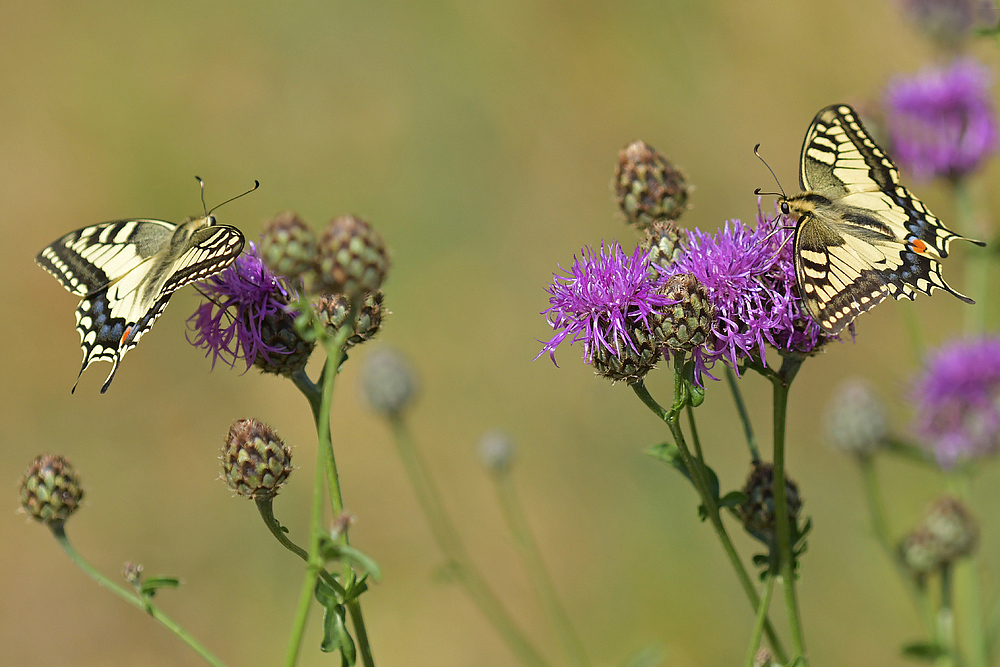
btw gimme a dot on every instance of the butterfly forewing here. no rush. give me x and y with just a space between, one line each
861 236
89 259
126 271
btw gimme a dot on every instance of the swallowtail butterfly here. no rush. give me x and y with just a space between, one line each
126 270
860 235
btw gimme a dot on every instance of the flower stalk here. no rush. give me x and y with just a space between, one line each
449 541
144 603
781 381
672 420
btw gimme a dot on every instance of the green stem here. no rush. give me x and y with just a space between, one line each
708 502
266 508
781 384
946 618
141 602
880 529
761 619
540 577
970 586
741 407
450 543
326 471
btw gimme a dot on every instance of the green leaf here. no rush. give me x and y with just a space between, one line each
924 651
334 551
326 595
733 499
695 392
336 637
151 585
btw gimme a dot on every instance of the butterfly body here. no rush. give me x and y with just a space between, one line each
125 272
860 236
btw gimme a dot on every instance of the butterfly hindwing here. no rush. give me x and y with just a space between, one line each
860 235
125 272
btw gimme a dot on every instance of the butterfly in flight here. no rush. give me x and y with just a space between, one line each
126 270
860 236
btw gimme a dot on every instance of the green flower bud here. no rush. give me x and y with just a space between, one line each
50 489
255 461
647 186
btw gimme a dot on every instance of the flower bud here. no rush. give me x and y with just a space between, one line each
255 461
352 259
288 246
647 186
496 451
332 311
664 243
688 322
856 421
388 382
50 489
758 512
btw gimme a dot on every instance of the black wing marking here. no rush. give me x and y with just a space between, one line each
213 249
91 258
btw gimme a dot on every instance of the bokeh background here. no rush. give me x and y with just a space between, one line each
480 139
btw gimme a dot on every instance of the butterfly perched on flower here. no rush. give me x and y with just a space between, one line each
126 270
860 236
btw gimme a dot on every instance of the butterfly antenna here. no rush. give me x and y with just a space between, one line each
202 184
256 184
756 152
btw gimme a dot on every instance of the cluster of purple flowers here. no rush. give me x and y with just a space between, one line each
240 298
747 273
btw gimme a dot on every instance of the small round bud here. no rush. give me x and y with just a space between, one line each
856 421
133 574
50 489
758 512
388 382
647 186
288 246
255 461
664 243
946 533
332 311
496 450
278 332
352 259
950 523
688 322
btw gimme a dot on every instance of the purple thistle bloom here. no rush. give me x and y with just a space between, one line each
240 297
749 276
601 298
942 120
957 400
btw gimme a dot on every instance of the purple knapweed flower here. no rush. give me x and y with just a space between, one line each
749 276
942 121
603 296
957 401
240 299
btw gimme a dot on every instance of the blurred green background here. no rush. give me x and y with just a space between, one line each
480 139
